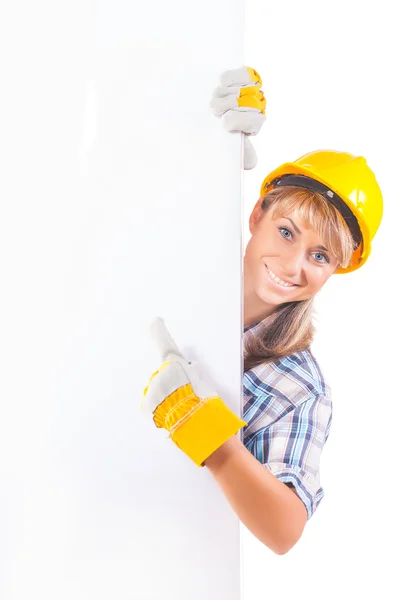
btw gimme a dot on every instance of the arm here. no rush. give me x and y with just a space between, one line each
267 507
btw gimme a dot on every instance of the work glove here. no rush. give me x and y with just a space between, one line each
241 103
182 399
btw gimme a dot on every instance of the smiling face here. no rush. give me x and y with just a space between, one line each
286 260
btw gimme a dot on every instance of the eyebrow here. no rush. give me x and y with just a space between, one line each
299 232
294 225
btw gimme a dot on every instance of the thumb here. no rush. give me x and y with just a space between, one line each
249 154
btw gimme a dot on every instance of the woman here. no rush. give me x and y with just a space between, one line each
315 217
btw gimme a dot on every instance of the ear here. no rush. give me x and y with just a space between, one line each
256 215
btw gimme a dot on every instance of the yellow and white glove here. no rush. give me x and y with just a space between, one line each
241 103
182 399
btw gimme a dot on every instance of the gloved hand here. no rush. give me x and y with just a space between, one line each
182 399
241 103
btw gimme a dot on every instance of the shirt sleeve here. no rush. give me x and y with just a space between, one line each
291 448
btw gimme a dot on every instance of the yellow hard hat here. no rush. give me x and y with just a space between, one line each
346 181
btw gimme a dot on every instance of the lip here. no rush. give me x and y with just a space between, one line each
278 285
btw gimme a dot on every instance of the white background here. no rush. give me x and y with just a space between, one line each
120 201
330 77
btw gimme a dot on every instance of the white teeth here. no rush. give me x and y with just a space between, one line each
276 278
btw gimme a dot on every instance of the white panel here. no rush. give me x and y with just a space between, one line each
120 201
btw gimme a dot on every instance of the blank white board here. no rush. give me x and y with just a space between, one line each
120 202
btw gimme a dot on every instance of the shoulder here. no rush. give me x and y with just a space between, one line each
305 365
296 375
272 390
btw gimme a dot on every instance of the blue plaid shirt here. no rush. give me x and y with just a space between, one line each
287 405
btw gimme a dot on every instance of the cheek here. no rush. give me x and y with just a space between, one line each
254 248
265 245
318 278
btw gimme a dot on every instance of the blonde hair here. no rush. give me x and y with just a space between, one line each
290 327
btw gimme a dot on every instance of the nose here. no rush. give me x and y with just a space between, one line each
292 265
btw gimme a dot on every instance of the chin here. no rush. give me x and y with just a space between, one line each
270 299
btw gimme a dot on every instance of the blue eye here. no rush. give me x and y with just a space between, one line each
282 230
323 256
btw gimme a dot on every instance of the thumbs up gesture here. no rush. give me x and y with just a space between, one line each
182 399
